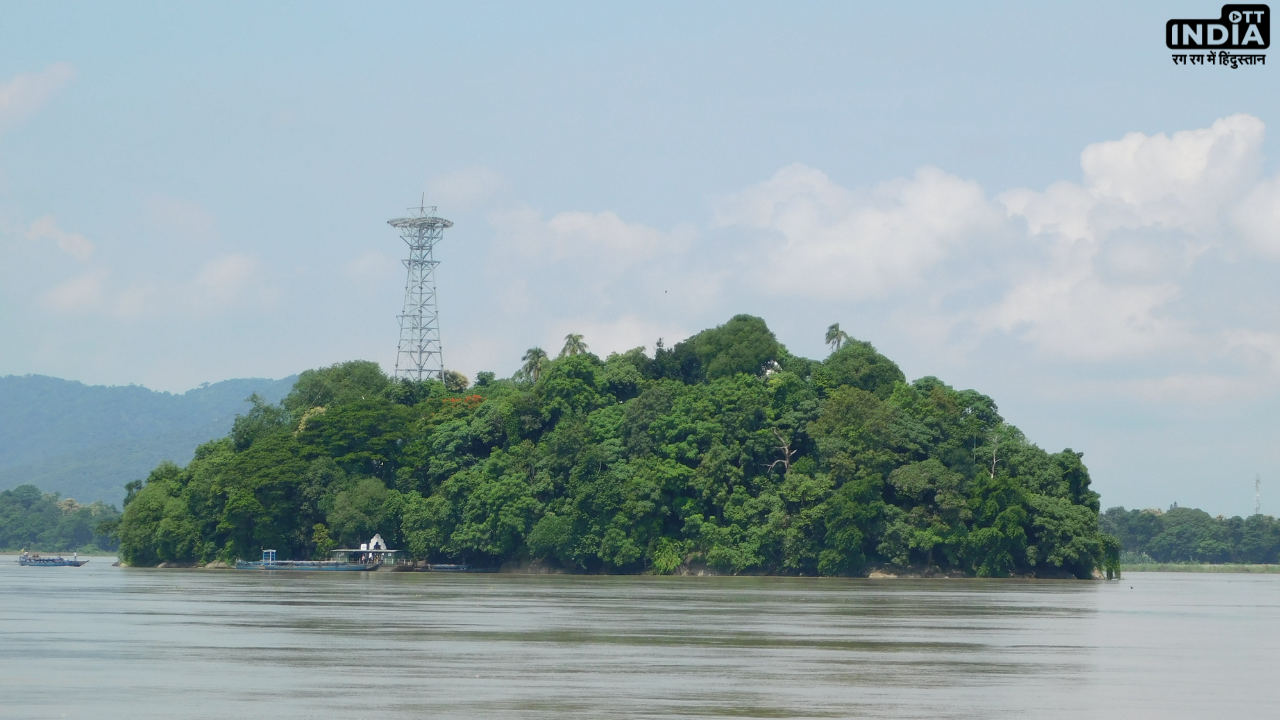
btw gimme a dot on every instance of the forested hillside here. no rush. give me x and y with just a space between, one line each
86 441
1190 535
724 451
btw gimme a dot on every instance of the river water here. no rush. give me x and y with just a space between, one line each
106 642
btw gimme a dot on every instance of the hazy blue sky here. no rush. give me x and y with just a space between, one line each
1030 200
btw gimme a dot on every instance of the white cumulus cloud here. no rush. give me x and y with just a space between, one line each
1258 217
831 242
577 234
74 244
466 189
1143 265
1143 272
576 260
227 277
1118 248
80 295
1180 180
24 94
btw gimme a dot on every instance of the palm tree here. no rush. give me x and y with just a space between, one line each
534 359
836 337
573 345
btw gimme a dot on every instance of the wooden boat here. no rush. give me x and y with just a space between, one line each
35 560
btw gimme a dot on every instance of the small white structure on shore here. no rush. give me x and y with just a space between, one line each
374 552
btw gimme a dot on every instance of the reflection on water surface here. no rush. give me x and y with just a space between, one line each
104 642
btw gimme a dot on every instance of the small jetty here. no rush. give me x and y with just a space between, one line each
370 556
29 559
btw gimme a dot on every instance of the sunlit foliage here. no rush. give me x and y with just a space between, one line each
724 452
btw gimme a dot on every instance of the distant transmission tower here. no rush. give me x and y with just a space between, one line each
1257 494
419 355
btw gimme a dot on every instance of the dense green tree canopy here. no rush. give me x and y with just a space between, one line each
1190 535
32 520
723 451
742 345
336 385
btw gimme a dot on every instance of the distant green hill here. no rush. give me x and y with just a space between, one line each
87 441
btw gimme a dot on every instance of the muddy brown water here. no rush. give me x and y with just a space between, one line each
106 642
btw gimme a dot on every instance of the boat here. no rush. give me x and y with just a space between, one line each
29 559
372 555
455 568
446 567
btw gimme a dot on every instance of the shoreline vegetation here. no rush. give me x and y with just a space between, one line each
1183 535
1202 568
47 522
540 568
913 573
724 452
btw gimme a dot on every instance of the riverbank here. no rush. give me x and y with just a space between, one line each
1200 568
538 567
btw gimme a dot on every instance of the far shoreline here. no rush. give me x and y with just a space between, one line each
874 573
1201 568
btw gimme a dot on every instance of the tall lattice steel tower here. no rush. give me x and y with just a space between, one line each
419 356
